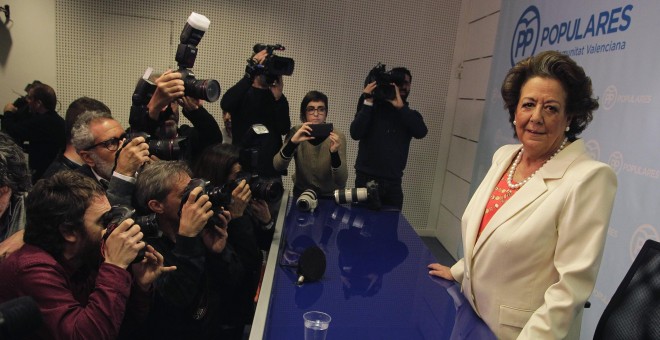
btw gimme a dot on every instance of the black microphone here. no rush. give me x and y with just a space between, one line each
19 317
311 265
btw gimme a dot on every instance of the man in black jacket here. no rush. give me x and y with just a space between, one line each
41 127
253 101
385 129
191 302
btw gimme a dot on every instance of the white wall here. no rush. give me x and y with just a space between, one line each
475 44
27 47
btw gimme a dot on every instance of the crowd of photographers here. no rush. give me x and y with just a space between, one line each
159 231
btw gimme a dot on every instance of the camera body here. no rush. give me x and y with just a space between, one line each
265 189
307 201
165 148
118 214
274 65
218 196
369 194
384 79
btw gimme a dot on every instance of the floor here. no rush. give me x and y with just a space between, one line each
441 254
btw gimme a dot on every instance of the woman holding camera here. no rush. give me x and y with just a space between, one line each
320 157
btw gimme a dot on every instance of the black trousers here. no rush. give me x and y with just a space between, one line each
391 193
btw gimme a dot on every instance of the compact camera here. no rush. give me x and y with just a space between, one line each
369 194
273 67
384 79
307 201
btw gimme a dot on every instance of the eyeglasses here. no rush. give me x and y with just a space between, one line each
111 144
319 110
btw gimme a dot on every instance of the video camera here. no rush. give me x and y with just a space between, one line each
186 54
384 79
273 67
119 213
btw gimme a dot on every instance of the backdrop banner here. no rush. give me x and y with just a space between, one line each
614 42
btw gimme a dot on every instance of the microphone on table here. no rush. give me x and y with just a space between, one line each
311 265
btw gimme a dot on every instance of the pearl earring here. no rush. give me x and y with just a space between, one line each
514 123
568 128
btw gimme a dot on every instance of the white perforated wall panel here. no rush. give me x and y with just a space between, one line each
103 47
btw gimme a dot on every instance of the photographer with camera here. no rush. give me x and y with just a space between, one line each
110 159
194 239
81 279
258 98
159 118
318 152
41 126
385 125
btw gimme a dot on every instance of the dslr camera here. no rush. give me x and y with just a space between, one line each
384 79
165 148
369 194
186 54
218 196
119 213
273 67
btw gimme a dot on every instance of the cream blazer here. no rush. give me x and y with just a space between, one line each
535 264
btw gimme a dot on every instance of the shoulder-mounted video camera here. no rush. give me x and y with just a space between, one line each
186 54
273 67
384 79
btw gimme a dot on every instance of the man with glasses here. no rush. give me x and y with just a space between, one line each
109 158
320 161
385 129
41 127
253 101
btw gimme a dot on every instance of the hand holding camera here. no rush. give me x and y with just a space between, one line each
169 87
150 268
215 239
241 196
195 213
131 156
303 134
122 243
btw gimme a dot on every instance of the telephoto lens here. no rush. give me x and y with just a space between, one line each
351 195
307 201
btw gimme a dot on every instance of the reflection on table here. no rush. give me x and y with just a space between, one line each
376 285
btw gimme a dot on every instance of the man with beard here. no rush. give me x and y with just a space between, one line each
80 277
108 157
385 129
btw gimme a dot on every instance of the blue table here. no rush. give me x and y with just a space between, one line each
376 284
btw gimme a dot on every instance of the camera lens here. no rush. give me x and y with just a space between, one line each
207 89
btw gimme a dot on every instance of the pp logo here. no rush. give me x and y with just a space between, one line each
593 149
609 97
644 232
526 35
616 161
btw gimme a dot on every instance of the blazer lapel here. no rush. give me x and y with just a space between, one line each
536 186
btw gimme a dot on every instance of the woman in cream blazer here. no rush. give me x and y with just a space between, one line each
534 263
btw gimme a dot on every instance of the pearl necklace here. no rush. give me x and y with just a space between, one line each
509 178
